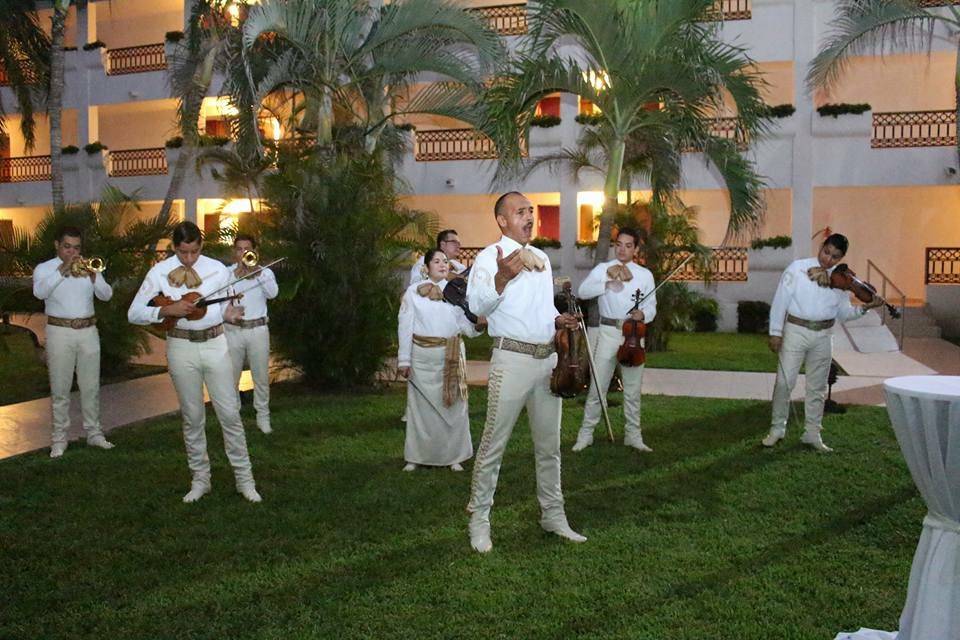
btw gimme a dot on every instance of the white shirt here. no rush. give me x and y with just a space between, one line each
418 272
256 291
67 297
425 317
800 296
524 311
214 275
617 304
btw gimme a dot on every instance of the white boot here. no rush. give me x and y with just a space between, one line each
480 532
562 528
813 439
99 442
456 466
584 439
635 439
198 489
57 449
776 435
410 467
250 493
264 425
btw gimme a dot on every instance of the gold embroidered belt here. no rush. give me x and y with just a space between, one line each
538 351
252 324
813 325
72 323
611 322
196 335
454 366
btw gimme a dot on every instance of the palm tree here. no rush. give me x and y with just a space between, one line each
879 26
25 60
658 75
55 107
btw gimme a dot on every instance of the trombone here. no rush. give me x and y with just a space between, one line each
84 266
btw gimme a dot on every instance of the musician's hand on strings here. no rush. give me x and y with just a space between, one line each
566 321
637 314
508 268
481 323
404 371
775 342
179 309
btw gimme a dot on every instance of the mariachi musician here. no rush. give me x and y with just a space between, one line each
616 284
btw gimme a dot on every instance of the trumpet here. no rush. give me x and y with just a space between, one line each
250 259
85 266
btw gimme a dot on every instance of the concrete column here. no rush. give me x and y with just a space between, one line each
804 35
568 186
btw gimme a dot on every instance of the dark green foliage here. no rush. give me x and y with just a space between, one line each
174 143
111 231
70 150
345 235
96 44
775 242
545 243
173 36
781 110
213 141
584 118
704 314
94 147
545 121
753 316
842 109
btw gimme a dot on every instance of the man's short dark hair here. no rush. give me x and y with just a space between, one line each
633 233
69 230
498 205
443 235
839 241
245 236
187 232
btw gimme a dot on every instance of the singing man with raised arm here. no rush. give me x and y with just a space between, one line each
511 283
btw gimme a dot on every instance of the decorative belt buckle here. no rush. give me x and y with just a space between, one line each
77 323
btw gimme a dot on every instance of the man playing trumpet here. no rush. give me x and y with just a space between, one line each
67 285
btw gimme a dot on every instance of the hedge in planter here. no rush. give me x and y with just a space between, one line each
753 316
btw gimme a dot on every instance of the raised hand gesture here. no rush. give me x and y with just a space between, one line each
508 268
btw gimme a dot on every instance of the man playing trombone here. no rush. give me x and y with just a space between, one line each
67 285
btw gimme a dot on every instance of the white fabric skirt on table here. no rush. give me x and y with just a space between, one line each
436 435
867 634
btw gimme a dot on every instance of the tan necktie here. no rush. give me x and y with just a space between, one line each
184 276
431 291
531 261
619 272
819 275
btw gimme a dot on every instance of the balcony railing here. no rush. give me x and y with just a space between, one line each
453 144
914 129
25 169
139 59
728 264
731 10
505 19
928 4
943 265
137 162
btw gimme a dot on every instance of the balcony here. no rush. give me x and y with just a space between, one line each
137 162
731 10
728 264
943 265
25 169
505 19
453 144
900 129
139 59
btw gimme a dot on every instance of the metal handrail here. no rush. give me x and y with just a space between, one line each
871 267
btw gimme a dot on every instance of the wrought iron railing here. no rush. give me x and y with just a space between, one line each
731 10
943 265
725 127
453 144
139 59
914 129
728 264
25 169
468 255
887 284
137 162
505 19
927 4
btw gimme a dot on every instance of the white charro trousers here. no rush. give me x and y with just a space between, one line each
193 365
70 350
252 345
517 381
813 350
604 342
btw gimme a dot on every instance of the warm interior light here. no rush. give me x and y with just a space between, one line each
277 131
599 81
235 207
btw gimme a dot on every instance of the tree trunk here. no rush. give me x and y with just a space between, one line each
187 152
55 105
611 189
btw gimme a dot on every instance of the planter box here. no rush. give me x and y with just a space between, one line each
71 161
556 258
545 136
585 255
769 259
848 125
97 160
93 59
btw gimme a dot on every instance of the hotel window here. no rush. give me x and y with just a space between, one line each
6 233
548 221
585 227
549 106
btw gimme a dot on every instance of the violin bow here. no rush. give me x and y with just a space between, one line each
244 277
665 280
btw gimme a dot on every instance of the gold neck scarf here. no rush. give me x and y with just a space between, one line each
531 261
819 275
184 276
619 272
431 291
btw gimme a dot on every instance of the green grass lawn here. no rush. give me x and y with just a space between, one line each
24 373
710 537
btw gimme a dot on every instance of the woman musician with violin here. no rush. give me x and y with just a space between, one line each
623 317
812 296
186 294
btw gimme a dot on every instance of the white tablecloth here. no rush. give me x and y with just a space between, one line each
925 412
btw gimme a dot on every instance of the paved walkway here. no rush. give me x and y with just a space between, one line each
26 426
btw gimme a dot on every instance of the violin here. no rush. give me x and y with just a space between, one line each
572 373
631 353
169 322
845 279
456 294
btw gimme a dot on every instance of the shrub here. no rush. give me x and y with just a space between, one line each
69 48
775 242
545 243
213 141
94 147
70 150
406 126
705 313
841 109
589 119
545 121
96 44
173 36
580 244
753 316
174 143
781 110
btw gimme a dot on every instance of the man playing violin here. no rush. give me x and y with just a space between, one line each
67 289
511 283
197 354
804 310
616 284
